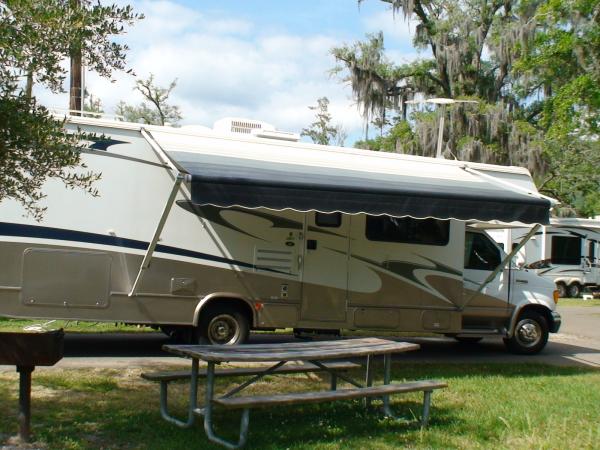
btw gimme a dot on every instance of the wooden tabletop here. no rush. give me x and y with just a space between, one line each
292 351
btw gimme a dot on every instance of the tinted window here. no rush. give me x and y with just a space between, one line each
591 251
480 252
328 220
566 250
406 229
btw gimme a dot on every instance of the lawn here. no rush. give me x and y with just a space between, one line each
485 406
578 302
71 325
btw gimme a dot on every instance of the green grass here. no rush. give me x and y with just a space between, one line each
578 302
485 406
71 325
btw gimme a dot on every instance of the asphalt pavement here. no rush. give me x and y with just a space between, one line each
578 344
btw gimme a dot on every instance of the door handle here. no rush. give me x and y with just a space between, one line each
311 244
522 281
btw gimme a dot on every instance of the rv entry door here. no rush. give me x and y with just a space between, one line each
325 268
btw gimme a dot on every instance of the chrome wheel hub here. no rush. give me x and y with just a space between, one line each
529 332
223 329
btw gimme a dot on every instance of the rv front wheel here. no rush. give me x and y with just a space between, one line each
531 334
223 326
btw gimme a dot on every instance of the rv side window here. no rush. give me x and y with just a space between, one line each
566 250
331 220
406 229
480 253
592 251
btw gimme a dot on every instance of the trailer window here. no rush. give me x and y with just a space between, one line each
566 250
480 252
592 251
408 230
329 220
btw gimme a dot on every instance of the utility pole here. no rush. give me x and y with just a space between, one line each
76 91
441 104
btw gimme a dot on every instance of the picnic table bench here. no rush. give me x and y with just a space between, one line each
311 354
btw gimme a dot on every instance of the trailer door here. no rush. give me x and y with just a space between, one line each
482 256
325 267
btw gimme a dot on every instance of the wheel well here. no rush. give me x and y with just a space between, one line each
542 310
239 304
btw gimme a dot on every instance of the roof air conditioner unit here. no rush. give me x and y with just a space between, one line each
241 126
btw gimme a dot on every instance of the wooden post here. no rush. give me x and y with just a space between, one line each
75 91
24 402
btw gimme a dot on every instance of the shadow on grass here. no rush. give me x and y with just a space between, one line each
105 410
104 425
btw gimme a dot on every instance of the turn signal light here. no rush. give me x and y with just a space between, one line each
556 296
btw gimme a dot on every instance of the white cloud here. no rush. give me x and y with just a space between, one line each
226 67
394 26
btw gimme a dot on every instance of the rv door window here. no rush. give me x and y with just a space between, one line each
480 252
329 220
408 230
566 250
592 251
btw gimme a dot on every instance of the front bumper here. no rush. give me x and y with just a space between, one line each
556 321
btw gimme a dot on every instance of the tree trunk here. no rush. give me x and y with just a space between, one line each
75 91
29 85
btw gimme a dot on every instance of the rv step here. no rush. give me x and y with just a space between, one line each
473 331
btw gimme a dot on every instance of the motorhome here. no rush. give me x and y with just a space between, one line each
567 252
212 232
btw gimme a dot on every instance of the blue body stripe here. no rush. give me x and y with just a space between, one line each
34 231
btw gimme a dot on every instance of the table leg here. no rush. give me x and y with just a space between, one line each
208 407
369 378
24 401
192 401
426 406
387 369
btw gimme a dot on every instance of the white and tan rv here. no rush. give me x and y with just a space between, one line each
566 252
218 232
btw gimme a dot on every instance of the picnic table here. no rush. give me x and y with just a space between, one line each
312 356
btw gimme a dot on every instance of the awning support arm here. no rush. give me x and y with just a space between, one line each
159 227
179 177
501 266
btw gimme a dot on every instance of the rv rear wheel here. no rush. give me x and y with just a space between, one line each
223 325
574 290
562 289
531 334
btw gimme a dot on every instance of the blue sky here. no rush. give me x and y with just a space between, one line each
266 60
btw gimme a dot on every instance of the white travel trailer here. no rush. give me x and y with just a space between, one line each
567 252
215 233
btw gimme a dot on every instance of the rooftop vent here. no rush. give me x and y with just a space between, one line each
241 126
255 128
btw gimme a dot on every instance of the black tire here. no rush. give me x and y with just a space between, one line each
574 290
468 339
562 289
223 325
531 334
